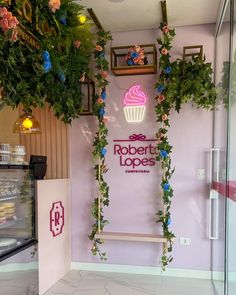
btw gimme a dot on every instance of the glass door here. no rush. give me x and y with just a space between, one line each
218 153
231 187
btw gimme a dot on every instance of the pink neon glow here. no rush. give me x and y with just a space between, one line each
135 97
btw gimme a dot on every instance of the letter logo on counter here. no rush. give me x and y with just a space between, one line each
57 218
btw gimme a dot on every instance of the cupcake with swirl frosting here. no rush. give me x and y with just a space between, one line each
134 102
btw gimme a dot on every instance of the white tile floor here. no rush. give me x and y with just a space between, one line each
101 283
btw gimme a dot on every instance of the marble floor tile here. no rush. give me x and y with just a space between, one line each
101 283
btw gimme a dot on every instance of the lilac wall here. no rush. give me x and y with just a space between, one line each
135 197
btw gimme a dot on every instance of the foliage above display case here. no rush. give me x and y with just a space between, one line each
45 50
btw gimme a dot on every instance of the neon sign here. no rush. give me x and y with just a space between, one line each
134 102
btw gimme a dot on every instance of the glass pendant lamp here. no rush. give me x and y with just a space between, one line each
26 124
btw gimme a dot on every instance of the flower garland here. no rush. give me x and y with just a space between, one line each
45 62
164 148
179 82
100 143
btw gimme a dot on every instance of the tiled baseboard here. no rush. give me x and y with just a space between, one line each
146 270
19 266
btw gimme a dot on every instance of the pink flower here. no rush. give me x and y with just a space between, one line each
137 48
3 12
165 29
82 78
54 5
98 48
100 101
164 117
8 21
77 44
104 74
13 22
160 98
105 120
164 51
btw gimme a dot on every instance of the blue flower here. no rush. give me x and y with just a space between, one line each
103 95
168 221
134 54
166 187
103 152
47 65
167 70
101 112
160 88
63 20
130 62
163 154
61 76
46 56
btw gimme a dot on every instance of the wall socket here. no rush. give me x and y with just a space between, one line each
201 174
185 241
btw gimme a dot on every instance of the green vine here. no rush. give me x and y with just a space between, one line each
50 70
180 81
99 144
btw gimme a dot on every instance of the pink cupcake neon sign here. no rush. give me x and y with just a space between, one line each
134 102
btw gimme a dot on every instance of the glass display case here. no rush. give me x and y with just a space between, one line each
17 209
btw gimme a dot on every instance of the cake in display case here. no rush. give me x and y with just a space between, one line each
17 209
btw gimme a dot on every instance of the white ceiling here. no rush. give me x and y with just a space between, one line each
125 15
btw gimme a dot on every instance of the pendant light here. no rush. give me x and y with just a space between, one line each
26 124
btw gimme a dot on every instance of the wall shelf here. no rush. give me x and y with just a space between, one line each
131 237
120 68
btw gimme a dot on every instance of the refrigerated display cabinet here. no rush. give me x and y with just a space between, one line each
17 209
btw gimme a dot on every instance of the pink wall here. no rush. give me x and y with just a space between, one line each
135 197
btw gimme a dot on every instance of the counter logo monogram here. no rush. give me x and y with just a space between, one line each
136 153
57 218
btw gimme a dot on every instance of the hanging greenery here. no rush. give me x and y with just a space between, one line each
100 143
180 81
44 51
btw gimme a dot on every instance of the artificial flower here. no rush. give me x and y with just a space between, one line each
54 5
100 101
47 65
166 187
101 112
134 54
98 48
104 74
63 20
164 51
165 29
160 98
82 78
163 154
103 95
168 221
137 48
103 152
105 120
164 117
8 22
77 44
167 70
160 88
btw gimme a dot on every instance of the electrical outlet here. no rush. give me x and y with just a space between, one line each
201 174
185 241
